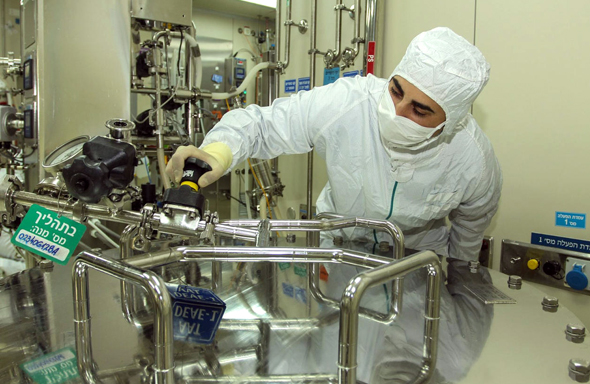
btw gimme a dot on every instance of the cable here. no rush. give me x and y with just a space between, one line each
260 184
147 169
180 50
227 103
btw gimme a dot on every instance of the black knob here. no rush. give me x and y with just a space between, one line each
552 268
193 170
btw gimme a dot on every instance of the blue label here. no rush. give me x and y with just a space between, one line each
290 86
568 219
331 75
303 84
288 290
560 242
350 74
217 78
300 295
196 312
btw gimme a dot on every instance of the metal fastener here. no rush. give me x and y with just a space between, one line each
575 333
579 370
474 267
514 282
46 265
514 260
338 241
550 304
291 238
384 246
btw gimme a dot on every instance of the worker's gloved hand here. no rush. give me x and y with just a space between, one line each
217 155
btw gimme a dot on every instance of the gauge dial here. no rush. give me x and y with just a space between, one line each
64 154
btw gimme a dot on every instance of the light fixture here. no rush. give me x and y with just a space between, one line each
264 3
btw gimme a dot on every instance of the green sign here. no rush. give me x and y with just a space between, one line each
53 368
48 235
284 266
300 270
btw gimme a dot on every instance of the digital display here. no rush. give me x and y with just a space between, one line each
29 126
240 73
28 74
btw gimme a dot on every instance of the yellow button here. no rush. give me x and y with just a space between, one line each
533 264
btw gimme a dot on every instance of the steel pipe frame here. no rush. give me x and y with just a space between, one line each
278 254
79 211
271 379
163 332
383 270
350 304
370 28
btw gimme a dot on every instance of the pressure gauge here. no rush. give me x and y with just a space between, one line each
64 154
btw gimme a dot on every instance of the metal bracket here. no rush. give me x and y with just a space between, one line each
208 235
141 242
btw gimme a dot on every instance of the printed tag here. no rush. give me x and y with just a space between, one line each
300 269
196 313
288 290
283 266
48 235
53 368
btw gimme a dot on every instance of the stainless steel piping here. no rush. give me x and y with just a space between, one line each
163 333
80 211
350 304
332 56
350 54
253 254
189 73
275 379
288 22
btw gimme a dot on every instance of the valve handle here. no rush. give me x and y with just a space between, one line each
193 169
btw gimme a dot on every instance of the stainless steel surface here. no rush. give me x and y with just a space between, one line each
514 282
530 350
488 294
332 56
350 307
486 253
516 255
550 304
575 333
163 366
282 65
579 370
70 101
170 11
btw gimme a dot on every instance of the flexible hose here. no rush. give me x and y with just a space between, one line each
162 168
251 76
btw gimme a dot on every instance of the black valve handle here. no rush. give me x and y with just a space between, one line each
193 169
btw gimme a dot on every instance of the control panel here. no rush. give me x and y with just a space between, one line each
235 73
548 266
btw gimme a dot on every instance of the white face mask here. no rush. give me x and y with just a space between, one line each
398 131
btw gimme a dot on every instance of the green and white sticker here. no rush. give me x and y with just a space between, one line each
45 233
53 368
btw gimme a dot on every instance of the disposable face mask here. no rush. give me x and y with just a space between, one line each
398 131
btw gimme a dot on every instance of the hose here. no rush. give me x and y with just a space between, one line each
162 168
251 76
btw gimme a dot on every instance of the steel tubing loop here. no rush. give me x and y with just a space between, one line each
278 254
163 332
350 305
80 211
272 379
330 221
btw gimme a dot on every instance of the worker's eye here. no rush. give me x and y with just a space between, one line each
395 93
418 113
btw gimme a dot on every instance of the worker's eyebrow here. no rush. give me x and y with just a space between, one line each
398 87
421 106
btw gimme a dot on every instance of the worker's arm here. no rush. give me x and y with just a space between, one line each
470 220
290 126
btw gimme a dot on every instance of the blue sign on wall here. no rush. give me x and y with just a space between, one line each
560 242
568 219
331 75
303 84
350 74
288 290
290 86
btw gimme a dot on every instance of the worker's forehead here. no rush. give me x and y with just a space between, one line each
414 92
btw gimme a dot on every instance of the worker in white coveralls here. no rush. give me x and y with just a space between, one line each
405 149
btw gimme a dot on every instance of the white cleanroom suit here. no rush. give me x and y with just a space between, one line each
454 174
